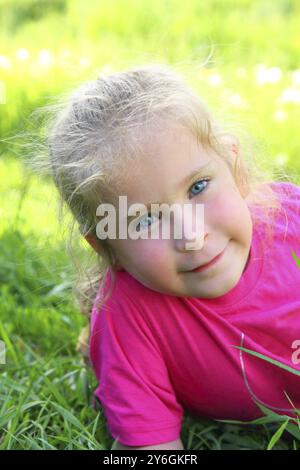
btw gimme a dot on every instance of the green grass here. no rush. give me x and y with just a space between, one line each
45 388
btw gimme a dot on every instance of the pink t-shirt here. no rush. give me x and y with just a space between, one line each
157 355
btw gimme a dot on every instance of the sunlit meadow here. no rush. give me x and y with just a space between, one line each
243 57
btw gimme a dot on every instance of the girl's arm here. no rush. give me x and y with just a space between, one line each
172 445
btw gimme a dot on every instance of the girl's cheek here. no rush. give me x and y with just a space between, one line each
153 252
216 211
225 210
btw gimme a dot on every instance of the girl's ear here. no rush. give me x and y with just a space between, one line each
235 148
232 143
95 245
93 242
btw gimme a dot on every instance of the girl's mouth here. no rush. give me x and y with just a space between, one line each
211 263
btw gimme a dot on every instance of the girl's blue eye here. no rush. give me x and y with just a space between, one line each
198 186
141 225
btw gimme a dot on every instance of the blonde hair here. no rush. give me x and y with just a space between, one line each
95 133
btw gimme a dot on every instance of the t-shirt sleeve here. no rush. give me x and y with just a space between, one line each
135 391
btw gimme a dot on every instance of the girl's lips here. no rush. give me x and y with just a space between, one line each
208 265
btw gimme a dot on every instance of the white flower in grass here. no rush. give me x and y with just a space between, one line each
280 115
265 75
289 95
84 62
281 159
106 70
215 79
5 62
65 54
274 74
260 71
236 100
22 54
45 58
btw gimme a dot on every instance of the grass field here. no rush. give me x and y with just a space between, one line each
252 79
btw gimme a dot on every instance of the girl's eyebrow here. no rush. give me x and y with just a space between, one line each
185 180
194 173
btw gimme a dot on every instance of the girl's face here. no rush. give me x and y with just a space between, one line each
164 176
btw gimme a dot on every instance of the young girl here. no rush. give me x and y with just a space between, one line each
167 322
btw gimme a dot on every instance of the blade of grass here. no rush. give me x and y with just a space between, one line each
277 435
268 359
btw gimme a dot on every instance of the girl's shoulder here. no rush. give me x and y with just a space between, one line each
287 224
289 196
290 192
124 293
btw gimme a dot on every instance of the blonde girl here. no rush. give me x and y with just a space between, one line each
168 324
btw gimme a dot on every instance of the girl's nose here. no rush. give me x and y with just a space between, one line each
192 230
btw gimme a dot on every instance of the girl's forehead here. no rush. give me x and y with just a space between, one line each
163 158
175 148
155 140
162 186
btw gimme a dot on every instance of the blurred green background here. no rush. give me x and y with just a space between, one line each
251 52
